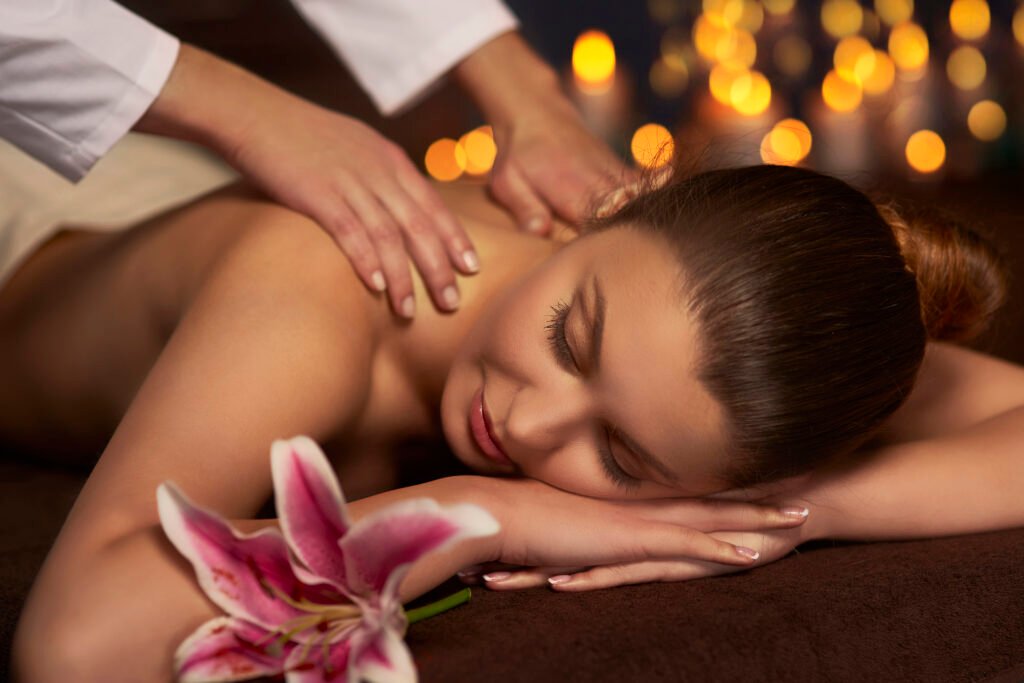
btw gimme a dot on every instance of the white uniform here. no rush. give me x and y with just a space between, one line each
75 76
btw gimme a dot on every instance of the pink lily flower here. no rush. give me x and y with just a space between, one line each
317 599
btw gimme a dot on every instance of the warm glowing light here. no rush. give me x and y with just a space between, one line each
969 19
736 47
723 13
854 58
986 120
445 160
908 46
752 18
788 142
652 145
841 17
839 93
870 26
778 6
883 73
966 67
706 37
720 81
593 59
751 93
480 150
893 12
792 55
1018 24
925 151
669 79
675 48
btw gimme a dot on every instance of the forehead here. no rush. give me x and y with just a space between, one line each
649 356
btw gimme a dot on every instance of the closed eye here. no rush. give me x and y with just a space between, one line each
556 337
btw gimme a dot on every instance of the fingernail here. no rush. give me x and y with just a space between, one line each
494 577
471 261
747 552
795 512
535 224
561 578
468 572
378 281
408 306
450 295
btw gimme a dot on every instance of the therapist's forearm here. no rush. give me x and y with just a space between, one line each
210 101
507 79
967 482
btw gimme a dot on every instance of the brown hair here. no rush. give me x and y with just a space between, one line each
814 304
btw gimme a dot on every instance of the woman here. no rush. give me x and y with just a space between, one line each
736 327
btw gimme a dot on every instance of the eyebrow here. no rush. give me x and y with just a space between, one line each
597 317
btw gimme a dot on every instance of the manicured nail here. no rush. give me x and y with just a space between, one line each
561 578
450 295
494 577
795 512
535 225
408 306
747 552
378 281
471 261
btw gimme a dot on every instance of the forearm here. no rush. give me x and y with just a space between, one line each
967 482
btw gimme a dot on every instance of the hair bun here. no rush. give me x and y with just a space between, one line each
961 276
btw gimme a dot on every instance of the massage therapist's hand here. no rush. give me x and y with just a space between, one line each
359 187
557 532
548 163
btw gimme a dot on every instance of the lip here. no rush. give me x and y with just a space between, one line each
481 429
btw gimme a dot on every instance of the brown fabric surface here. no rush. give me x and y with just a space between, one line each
947 609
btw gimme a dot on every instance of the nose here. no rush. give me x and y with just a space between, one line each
542 419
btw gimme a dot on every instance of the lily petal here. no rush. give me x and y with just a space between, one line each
226 649
382 657
308 665
388 541
310 506
235 570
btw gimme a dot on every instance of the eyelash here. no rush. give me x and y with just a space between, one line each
560 347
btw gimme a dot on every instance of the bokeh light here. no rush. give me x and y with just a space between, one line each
723 13
445 160
778 7
969 19
1018 25
908 46
788 143
720 82
792 55
893 12
966 67
839 93
986 120
841 18
925 151
652 145
750 93
669 78
593 60
854 58
480 150
752 18
736 46
883 73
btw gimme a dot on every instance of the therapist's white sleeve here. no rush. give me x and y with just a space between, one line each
396 49
75 76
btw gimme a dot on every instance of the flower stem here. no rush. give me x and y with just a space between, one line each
442 605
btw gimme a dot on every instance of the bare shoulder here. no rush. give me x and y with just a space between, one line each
956 387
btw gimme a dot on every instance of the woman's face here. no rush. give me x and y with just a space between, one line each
582 376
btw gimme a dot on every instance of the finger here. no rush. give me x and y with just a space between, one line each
661 541
390 247
728 515
609 576
350 235
461 252
425 247
524 578
510 187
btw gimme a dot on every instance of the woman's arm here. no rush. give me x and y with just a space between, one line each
952 463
